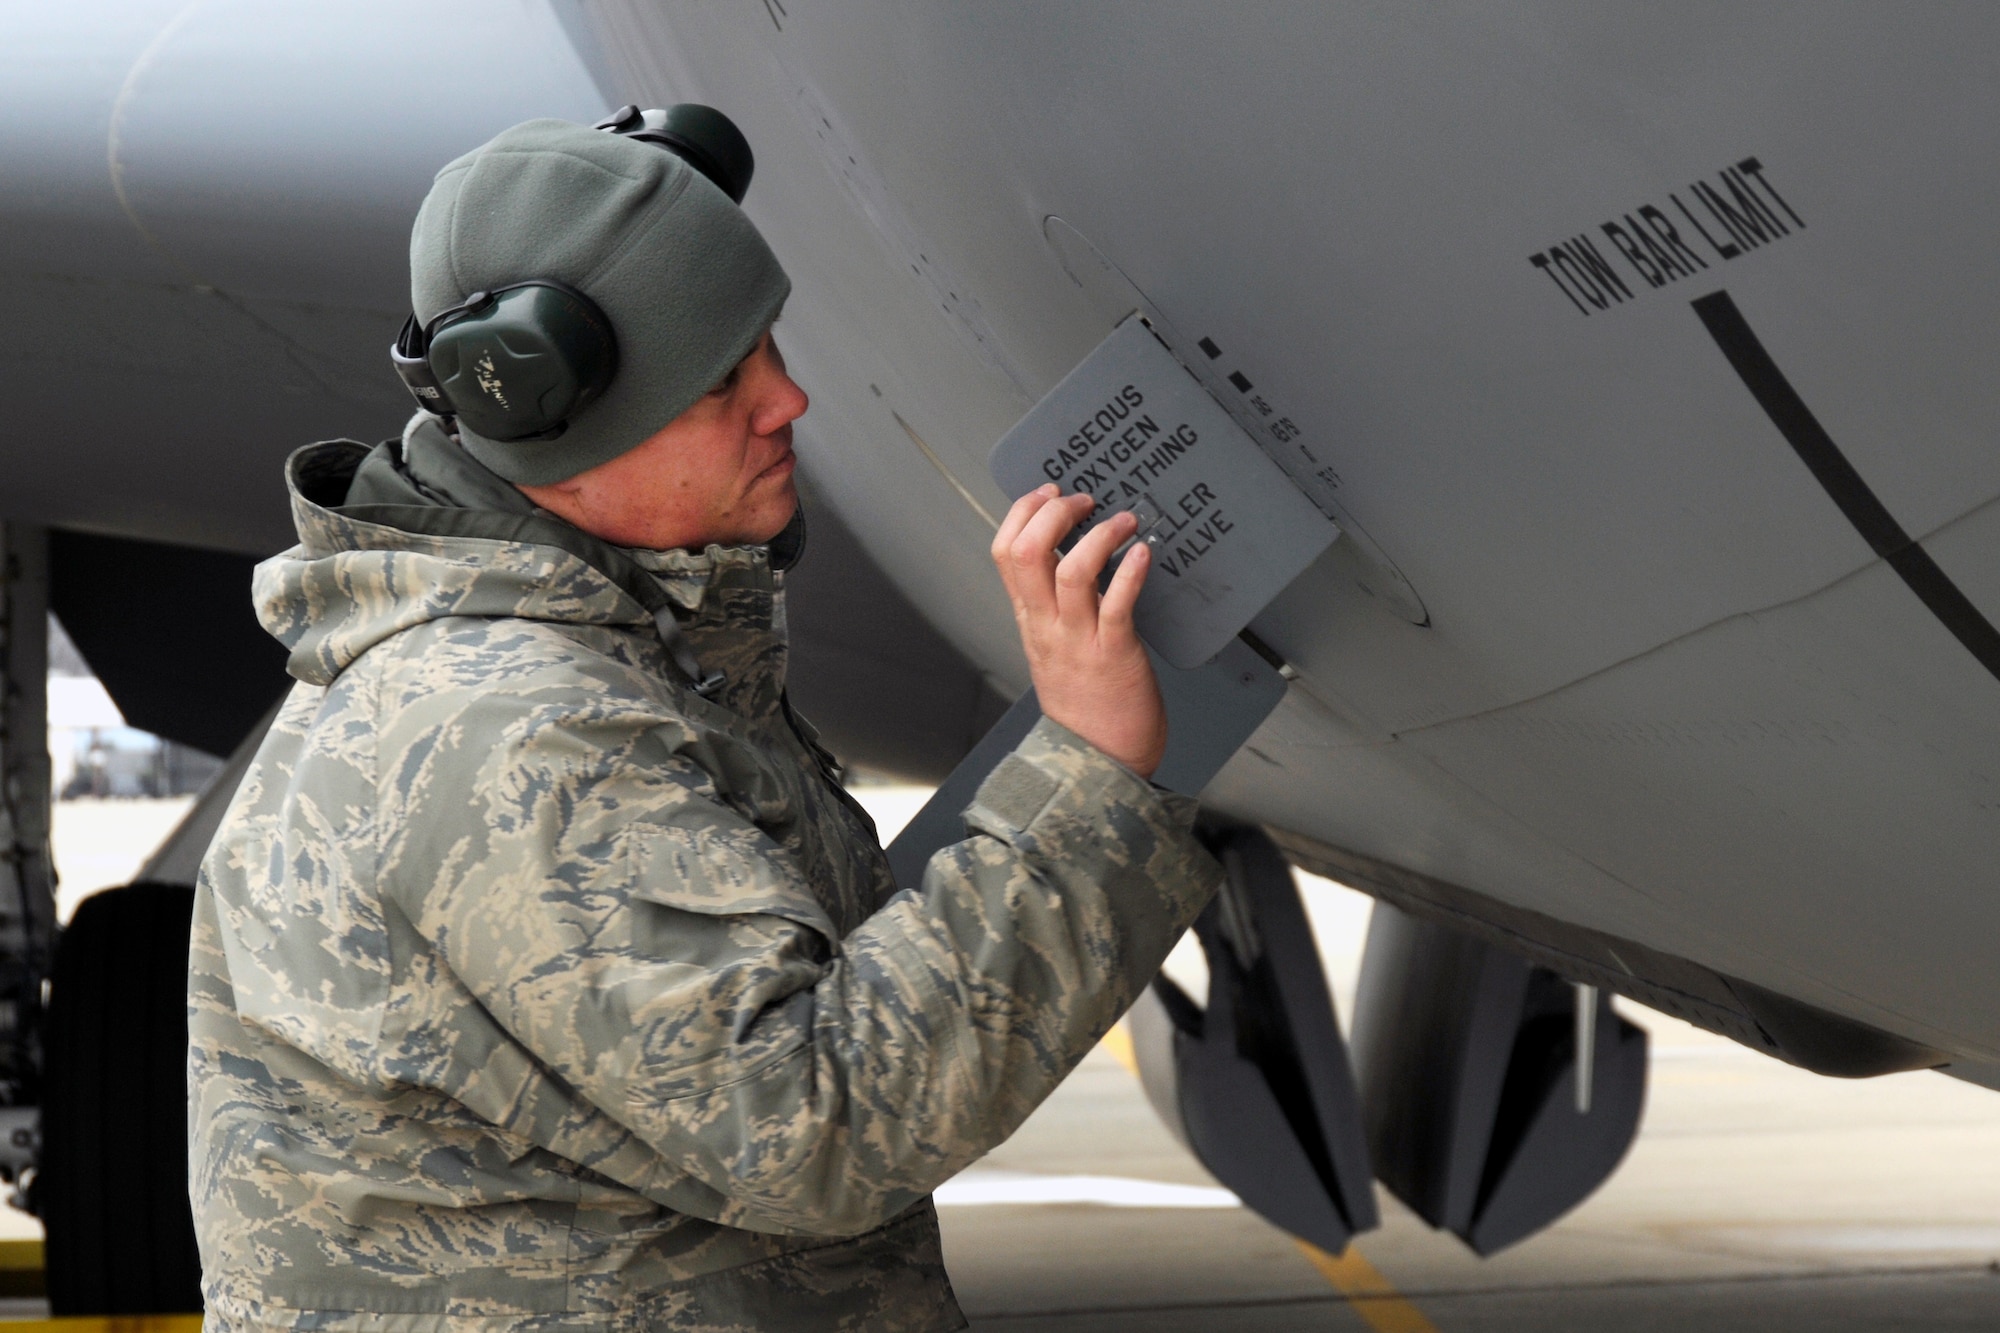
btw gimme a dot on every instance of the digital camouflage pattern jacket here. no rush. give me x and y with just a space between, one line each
530 989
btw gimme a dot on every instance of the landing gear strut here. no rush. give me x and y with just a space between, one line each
27 878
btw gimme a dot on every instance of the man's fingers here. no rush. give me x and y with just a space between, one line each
1114 612
1017 518
1076 576
1034 548
1089 668
1028 562
1024 585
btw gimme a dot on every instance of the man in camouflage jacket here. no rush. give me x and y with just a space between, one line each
534 987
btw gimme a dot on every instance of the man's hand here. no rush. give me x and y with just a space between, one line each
1091 672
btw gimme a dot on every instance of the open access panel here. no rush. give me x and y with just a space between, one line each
1131 427
1229 530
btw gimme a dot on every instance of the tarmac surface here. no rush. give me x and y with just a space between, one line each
1757 1197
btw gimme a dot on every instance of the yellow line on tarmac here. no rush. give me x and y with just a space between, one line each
1368 1293
1118 1042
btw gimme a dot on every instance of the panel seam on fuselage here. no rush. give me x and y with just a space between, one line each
1751 613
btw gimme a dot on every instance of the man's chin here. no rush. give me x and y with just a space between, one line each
777 516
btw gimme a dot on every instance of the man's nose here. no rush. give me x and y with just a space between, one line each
783 402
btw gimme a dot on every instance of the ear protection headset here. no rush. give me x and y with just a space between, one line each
518 362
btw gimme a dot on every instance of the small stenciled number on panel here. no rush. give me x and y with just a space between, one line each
1289 448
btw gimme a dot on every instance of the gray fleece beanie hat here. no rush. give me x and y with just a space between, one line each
687 283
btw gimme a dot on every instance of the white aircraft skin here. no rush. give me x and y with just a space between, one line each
1667 690
1609 651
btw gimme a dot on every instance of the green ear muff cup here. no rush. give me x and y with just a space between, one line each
531 357
679 270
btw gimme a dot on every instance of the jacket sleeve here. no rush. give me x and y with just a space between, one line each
659 954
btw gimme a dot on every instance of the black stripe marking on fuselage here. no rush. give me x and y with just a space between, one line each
1822 457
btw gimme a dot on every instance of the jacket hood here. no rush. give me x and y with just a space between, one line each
414 530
